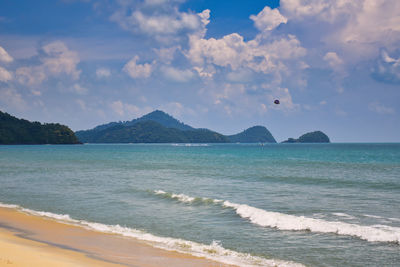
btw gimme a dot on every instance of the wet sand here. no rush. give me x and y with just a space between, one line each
27 240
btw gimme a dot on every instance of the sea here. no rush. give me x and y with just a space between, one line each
244 204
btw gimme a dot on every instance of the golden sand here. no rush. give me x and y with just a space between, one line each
27 240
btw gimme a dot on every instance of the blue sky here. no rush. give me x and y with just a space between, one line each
334 65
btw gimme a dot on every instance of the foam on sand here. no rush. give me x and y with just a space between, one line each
214 251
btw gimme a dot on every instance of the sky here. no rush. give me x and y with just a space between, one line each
333 64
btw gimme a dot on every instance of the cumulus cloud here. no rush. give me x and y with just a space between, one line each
4 56
268 19
380 109
138 70
103 73
359 28
5 75
127 110
57 59
233 52
158 18
387 69
177 75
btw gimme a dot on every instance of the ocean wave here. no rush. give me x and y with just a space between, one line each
185 198
214 251
344 215
281 221
190 144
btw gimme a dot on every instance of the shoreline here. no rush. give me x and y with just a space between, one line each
32 240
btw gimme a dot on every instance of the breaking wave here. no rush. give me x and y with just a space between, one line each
281 221
214 251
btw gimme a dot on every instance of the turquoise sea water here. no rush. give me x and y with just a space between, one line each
314 204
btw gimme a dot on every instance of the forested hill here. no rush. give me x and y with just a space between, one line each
312 137
20 131
158 116
149 132
255 134
160 127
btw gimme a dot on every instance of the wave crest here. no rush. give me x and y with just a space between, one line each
281 221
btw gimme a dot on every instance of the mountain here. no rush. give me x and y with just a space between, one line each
149 132
256 134
159 127
158 116
312 137
20 131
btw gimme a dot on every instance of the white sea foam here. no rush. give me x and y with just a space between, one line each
373 216
340 214
9 206
214 251
185 198
288 222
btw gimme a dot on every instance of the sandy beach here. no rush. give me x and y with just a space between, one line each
27 240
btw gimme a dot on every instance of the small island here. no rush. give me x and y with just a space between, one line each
15 131
312 137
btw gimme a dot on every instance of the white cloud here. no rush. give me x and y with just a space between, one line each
336 64
206 72
233 52
177 75
4 56
127 110
380 109
333 60
240 76
166 55
387 69
81 104
103 73
138 70
10 98
31 75
61 60
118 107
5 75
77 88
57 59
164 24
158 18
268 19
176 109
358 28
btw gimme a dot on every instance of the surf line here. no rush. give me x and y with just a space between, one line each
281 221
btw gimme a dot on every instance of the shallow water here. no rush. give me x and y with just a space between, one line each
315 204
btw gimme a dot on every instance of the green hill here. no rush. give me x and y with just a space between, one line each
312 137
20 131
256 134
160 127
158 116
149 132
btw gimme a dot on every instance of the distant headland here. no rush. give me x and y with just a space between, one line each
154 127
20 131
312 137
